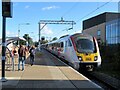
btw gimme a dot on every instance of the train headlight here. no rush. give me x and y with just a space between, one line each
80 58
95 58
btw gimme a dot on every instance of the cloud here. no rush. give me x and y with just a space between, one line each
46 30
27 6
50 7
8 33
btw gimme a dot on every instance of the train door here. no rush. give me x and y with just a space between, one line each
62 50
68 50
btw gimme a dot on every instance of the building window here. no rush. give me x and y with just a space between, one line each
112 32
98 32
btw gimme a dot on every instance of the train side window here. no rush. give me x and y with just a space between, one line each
69 43
65 43
58 44
61 44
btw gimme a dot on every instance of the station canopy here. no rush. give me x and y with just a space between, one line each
12 39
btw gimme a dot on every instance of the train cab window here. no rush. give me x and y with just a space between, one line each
69 43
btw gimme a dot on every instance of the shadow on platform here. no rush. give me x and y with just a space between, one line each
50 85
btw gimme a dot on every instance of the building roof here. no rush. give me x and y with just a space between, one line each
99 19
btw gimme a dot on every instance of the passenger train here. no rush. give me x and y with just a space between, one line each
79 50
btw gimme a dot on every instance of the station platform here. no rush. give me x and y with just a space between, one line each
48 72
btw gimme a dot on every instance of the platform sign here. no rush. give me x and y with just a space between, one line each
7 7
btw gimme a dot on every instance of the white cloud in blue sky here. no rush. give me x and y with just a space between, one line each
50 7
11 34
27 6
46 30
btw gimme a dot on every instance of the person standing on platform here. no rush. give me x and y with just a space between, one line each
32 55
22 53
15 54
27 52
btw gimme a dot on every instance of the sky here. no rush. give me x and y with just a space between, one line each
33 12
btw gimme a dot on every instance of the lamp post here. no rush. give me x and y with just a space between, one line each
39 37
19 29
6 13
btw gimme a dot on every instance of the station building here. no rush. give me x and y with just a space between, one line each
105 27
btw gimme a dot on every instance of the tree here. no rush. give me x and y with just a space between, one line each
26 36
55 38
22 42
28 39
44 41
42 38
36 44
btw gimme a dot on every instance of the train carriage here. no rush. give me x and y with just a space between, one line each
79 50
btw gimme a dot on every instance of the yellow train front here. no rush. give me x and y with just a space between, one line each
87 51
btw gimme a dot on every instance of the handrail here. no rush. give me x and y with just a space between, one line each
12 58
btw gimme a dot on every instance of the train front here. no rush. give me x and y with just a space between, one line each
87 51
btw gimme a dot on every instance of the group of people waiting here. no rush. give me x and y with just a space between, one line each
22 52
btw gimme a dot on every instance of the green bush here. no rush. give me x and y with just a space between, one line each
110 56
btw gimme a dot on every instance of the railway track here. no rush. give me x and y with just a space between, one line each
93 77
100 81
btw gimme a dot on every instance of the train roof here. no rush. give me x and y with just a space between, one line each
68 36
63 36
81 35
76 34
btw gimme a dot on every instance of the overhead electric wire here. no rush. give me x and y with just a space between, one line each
66 29
94 10
69 10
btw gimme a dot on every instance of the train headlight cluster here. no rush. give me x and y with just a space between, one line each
80 58
95 58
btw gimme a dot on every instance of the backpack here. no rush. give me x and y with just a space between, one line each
32 52
21 51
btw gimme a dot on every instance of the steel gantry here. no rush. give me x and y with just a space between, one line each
45 22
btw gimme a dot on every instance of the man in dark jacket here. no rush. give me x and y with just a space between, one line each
32 55
22 53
